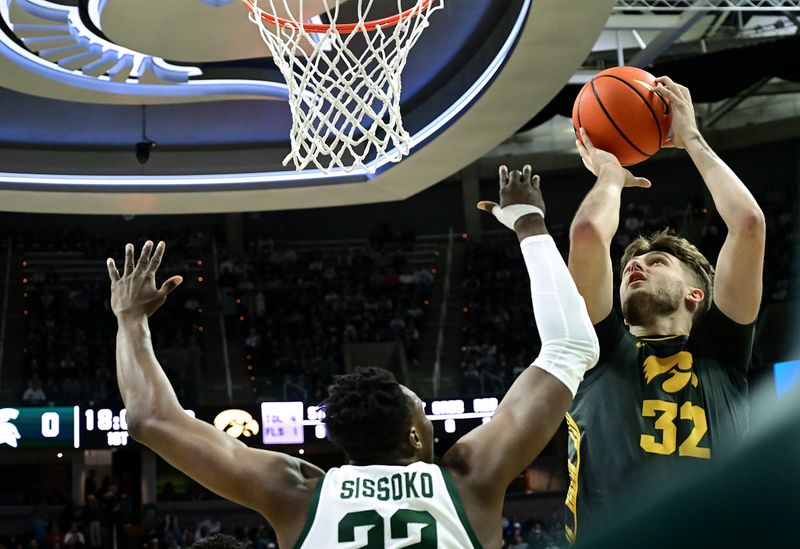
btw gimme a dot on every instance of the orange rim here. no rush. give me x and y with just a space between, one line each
345 28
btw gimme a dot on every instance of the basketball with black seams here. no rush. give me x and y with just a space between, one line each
623 114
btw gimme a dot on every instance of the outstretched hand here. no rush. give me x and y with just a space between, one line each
135 293
596 159
516 188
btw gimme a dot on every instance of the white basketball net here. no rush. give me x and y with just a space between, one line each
344 88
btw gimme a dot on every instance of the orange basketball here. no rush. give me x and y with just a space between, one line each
622 114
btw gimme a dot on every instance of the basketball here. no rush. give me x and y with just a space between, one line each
622 114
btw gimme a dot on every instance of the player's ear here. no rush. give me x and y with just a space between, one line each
694 298
414 439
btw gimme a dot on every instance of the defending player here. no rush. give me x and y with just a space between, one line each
669 393
391 492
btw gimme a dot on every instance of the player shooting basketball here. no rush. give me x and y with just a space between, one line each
390 491
670 389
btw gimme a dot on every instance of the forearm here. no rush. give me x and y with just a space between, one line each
733 200
599 211
145 388
569 342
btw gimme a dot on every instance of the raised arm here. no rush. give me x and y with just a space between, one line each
274 484
594 227
492 455
739 269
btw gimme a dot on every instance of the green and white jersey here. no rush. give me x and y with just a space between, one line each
387 507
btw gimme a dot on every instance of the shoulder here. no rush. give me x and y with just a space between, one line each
718 332
610 331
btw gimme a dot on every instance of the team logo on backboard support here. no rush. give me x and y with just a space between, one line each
236 423
8 431
678 367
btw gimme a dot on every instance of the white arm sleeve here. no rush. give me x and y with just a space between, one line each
569 342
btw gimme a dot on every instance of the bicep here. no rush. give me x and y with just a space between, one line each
590 267
739 271
257 479
492 455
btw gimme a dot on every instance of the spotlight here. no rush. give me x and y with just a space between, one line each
143 149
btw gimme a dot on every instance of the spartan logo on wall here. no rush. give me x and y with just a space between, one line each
236 423
678 367
8 431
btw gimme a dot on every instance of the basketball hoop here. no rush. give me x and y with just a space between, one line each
344 79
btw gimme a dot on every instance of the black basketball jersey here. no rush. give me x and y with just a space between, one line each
653 406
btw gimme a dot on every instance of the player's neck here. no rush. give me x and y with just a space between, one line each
385 460
663 326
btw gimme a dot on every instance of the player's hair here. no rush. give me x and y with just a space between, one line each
218 541
668 241
366 413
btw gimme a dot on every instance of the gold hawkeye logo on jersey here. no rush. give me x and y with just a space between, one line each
678 367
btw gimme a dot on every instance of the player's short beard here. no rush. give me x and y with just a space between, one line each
641 307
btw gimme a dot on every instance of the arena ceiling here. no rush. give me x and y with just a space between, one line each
84 85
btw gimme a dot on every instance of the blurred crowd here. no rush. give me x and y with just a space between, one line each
295 306
289 307
67 327
531 531
104 521
101 522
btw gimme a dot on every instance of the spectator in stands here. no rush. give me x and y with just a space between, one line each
518 540
208 527
74 538
34 395
90 484
93 513
218 541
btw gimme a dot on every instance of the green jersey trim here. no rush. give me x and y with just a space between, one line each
462 514
312 512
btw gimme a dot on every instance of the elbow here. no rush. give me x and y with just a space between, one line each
756 222
586 230
582 349
751 224
137 427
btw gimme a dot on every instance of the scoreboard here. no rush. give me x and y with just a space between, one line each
37 427
270 424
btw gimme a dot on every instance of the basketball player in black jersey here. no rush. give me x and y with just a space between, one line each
669 393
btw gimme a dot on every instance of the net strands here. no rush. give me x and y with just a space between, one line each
345 82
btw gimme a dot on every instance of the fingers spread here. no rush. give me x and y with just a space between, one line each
113 273
169 285
144 258
155 261
503 175
128 260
